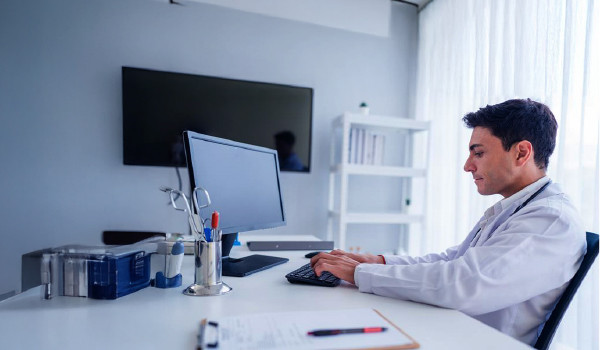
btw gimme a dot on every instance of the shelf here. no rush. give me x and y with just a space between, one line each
382 121
403 134
394 171
378 218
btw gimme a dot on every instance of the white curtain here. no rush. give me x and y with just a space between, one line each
478 52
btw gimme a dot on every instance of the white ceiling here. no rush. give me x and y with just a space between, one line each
362 16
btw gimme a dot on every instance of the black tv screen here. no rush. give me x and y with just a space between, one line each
158 106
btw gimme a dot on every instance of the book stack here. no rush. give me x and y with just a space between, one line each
366 147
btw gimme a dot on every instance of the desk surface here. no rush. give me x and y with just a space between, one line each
156 318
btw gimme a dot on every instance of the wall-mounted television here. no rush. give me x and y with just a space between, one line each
158 106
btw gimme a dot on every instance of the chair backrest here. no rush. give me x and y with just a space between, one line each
557 314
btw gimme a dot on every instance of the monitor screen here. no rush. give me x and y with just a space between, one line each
242 181
158 106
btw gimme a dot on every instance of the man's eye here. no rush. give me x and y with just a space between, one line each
478 154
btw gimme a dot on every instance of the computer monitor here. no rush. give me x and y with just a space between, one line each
243 183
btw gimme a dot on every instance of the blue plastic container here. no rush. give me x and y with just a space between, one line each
108 272
113 277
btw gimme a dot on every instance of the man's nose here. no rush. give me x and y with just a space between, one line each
468 167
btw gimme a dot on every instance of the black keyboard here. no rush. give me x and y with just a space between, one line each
305 274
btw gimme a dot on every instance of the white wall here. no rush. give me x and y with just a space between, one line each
62 177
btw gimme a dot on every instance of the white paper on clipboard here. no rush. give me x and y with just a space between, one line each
288 330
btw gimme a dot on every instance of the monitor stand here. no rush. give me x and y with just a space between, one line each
240 267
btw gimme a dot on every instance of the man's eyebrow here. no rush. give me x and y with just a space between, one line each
475 145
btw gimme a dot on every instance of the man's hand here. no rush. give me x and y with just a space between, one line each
339 265
361 258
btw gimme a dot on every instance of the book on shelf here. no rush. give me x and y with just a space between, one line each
365 147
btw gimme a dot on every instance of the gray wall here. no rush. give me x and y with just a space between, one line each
62 177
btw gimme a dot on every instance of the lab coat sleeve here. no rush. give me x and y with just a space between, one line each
531 253
429 258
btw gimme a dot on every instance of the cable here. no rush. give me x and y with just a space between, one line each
179 184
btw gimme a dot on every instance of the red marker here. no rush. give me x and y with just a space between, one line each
322 332
214 221
214 224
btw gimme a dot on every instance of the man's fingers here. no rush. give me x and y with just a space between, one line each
338 252
317 257
320 266
329 257
341 267
331 260
323 266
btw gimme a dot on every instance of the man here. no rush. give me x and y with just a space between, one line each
288 159
516 262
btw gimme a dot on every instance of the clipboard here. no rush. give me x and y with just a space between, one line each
289 330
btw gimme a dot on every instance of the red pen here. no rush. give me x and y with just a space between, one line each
214 224
322 332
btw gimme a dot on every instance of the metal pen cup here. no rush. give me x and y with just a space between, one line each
208 270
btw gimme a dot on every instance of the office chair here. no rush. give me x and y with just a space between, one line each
557 314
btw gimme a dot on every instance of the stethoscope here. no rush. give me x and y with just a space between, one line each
516 210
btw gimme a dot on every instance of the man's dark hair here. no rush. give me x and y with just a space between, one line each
517 120
286 136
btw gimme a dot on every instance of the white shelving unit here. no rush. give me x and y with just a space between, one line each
341 170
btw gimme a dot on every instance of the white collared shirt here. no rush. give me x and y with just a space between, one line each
507 273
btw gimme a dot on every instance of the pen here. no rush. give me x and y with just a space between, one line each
214 223
322 332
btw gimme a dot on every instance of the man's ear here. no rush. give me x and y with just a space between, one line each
523 151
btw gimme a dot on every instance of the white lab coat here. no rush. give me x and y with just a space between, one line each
510 278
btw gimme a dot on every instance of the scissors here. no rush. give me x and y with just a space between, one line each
196 222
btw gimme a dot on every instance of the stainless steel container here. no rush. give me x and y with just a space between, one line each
208 270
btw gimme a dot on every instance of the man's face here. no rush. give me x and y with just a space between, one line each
492 167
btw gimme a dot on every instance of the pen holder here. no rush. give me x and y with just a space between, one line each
208 269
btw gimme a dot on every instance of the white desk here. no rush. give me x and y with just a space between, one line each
155 318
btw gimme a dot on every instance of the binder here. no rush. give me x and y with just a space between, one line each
289 330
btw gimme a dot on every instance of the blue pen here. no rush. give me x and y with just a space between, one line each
207 234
